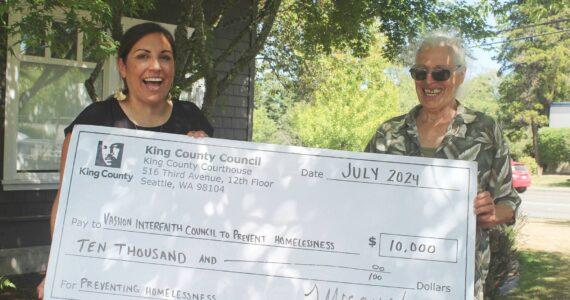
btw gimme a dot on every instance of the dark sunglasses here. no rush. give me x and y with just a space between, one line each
438 74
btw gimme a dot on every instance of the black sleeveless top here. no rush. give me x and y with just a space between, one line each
185 116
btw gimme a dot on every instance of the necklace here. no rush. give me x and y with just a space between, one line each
125 108
155 129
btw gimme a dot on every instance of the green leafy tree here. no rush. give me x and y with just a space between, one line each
99 21
306 31
305 28
407 97
536 63
481 93
198 57
354 97
273 103
314 27
264 129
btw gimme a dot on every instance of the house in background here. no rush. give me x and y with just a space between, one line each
560 115
559 118
41 91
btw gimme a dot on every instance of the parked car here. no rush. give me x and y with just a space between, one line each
521 176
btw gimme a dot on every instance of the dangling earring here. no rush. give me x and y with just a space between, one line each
119 95
169 97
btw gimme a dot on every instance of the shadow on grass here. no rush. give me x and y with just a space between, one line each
560 184
555 222
543 275
551 181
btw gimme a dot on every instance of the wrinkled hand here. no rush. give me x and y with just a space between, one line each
40 289
485 210
197 134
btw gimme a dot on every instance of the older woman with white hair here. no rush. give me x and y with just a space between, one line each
441 127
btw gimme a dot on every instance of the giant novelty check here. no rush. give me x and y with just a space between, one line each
162 216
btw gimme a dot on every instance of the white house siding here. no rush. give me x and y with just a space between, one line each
560 115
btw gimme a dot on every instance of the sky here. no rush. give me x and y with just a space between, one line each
483 62
483 58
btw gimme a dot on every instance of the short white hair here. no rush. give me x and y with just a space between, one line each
444 38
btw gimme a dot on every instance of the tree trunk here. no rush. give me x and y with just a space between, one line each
534 128
90 82
210 95
116 33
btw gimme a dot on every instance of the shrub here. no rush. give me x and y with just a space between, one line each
503 255
554 145
530 163
263 127
5 283
520 148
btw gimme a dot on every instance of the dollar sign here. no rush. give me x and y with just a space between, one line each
372 241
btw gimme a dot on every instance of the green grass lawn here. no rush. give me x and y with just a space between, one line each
551 181
544 275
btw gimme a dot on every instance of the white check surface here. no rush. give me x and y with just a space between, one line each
185 218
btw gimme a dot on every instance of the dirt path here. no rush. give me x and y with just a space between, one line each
545 235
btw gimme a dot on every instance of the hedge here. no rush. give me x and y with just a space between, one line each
554 145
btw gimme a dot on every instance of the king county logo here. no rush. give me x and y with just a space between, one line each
109 154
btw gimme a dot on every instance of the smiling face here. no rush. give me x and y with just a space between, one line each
438 95
149 69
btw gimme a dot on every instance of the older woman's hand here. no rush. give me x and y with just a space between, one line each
490 214
485 210
197 134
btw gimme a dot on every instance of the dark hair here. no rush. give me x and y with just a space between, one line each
135 33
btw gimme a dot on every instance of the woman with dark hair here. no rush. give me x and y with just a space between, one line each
146 65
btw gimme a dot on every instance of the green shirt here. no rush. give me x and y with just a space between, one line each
472 136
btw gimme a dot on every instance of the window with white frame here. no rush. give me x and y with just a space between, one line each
44 93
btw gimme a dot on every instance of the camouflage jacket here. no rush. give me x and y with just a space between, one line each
471 136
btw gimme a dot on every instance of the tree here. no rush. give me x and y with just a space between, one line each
536 62
99 21
406 88
264 129
270 116
196 56
354 97
309 27
305 32
306 28
481 93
